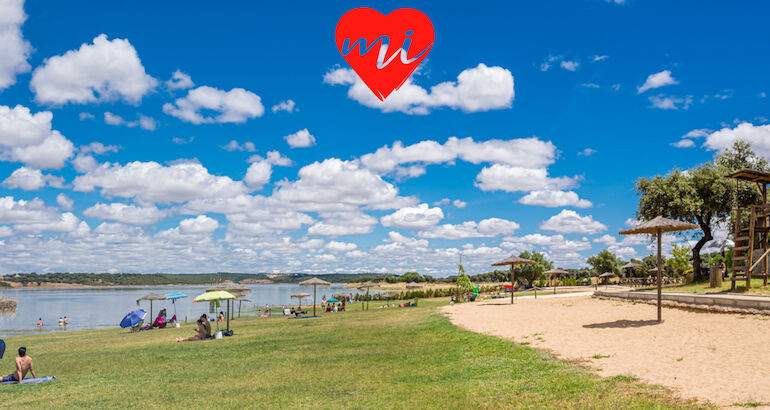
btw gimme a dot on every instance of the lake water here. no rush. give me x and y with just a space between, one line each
105 307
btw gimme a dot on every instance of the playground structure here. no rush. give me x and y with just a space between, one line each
752 236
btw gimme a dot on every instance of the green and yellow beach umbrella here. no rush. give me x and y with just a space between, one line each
216 295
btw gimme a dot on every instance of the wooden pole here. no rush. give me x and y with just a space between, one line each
660 269
314 299
511 283
228 314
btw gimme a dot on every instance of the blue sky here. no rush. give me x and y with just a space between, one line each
552 110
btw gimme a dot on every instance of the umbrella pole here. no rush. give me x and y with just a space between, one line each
511 283
239 308
314 286
151 320
660 268
228 314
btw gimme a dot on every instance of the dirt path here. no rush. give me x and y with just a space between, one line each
719 358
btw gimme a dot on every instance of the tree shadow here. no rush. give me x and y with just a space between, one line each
622 324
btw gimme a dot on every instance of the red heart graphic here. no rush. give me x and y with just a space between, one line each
384 50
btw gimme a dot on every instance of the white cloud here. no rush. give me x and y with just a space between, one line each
481 88
143 122
569 65
98 148
86 116
179 80
587 152
154 182
65 202
599 58
590 85
300 139
757 135
335 246
546 65
571 222
28 138
287 105
30 179
182 141
684 143
338 185
235 106
103 71
14 50
657 80
233 145
129 214
698 133
273 158
34 216
258 174
486 228
670 102
419 217
554 199
499 177
336 224
459 204
201 224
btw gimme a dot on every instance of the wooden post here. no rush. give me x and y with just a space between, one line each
660 269
228 314
750 254
511 283
314 299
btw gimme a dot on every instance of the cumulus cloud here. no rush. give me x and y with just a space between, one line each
416 217
569 65
154 182
106 70
757 135
459 204
201 224
481 88
486 228
657 80
34 216
571 222
179 81
30 179
143 122
233 145
336 224
554 199
287 105
28 138
129 214
500 177
684 143
65 202
258 174
587 152
234 106
300 139
335 246
14 49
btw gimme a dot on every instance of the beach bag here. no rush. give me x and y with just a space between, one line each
218 335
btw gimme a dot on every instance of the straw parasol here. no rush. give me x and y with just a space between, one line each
240 299
315 282
7 306
300 296
366 285
658 226
606 276
413 285
514 260
151 296
555 272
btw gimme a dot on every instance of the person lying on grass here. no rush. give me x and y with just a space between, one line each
23 365
201 329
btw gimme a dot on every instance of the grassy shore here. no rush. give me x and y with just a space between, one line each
757 287
394 358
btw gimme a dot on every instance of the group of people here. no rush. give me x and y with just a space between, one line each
202 330
62 322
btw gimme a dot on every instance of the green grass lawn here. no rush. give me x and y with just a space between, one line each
394 358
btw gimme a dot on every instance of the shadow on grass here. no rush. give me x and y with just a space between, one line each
622 324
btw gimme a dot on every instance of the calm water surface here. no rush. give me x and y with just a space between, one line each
94 308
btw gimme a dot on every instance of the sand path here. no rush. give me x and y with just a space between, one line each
719 358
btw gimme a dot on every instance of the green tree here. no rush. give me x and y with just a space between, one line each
411 277
532 271
701 195
464 283
605 261
680 259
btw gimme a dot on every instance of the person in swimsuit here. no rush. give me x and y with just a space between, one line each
201 333
40 323
23 365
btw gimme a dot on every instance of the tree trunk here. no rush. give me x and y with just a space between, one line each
706 228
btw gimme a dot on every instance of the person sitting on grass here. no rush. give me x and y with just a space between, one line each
201 329
23 365
220 317
206 326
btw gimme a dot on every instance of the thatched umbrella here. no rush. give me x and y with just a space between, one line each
514 260
606 276
236 289
7 306
151 296
657 227
413 285
300 296
240 299
315 282
554 273
367 285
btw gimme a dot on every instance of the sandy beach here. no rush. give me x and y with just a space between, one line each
716 358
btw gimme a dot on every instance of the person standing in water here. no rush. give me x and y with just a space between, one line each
65 321
40 323
61 322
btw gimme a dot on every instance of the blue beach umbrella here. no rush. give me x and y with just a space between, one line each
333 300
173 296
133 318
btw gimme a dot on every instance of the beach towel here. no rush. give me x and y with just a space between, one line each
34 380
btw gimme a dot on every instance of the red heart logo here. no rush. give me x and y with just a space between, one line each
384 50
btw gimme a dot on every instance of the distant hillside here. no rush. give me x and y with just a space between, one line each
133 279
